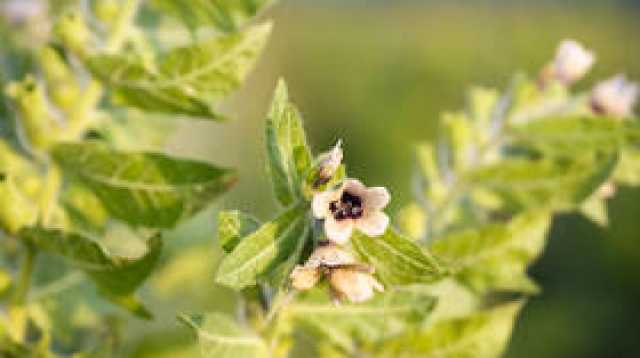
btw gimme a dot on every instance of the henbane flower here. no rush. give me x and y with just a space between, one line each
615 97
572 62
352 205
348 279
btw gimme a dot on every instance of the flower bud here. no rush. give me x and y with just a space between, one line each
304 278
614 97
329 165
354 283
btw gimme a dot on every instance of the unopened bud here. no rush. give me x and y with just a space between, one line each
304 278
354 284
329 165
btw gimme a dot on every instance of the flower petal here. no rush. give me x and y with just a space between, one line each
304 278
353 285
354 187
320 204
373 224
338 232
376 198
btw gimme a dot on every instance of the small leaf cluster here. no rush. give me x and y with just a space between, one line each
81 160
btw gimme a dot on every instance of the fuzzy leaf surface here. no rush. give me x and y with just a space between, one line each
220 336
396 259
187 80
143 189
260 254
496 256
289 155
482 334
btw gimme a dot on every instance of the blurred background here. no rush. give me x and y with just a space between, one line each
377 74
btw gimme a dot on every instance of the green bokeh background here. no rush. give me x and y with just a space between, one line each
377 74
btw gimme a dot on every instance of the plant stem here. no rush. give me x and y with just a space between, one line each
24 279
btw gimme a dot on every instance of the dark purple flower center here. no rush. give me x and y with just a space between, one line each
348 207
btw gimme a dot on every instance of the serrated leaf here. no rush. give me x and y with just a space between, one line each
260 253
483 334
560 184
143 189
396 259
288 153
345 325
220 336
234 225
224 15
496 257
188 80
115 275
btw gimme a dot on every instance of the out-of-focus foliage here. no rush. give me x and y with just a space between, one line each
87 106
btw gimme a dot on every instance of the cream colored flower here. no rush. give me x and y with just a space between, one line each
571 63
352 205
329 255
615 97
304 278
354 283
329 164
348 279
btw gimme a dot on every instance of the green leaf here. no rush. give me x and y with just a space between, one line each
143 189
495 257
115 275
560 184
397 260
233 226
482 334
220 336
259 254
288 153
224 15
84 209
573 135
187 80
346 324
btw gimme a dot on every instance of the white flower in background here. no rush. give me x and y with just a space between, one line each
354 283
572 62
349 280
20 11
352 205
615 97
329 164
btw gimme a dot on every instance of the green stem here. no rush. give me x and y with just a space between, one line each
24 279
